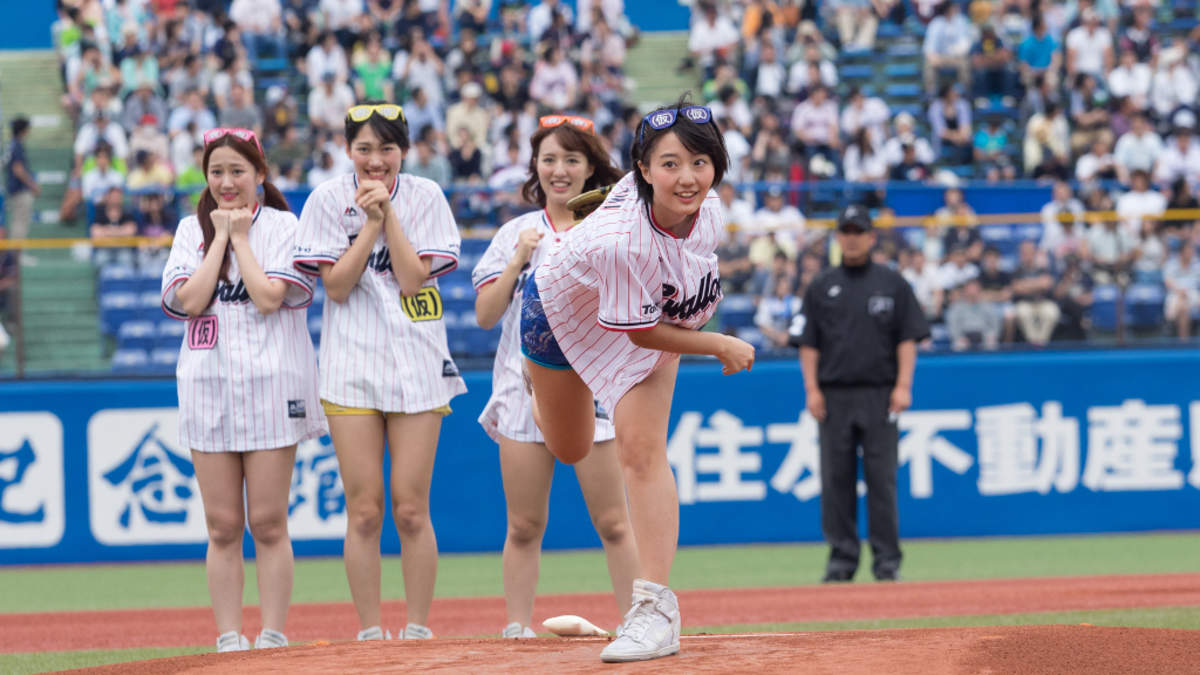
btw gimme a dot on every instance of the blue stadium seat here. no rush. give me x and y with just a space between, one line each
940 335
457 288
898 70
903 50
887 29
136 334
1028 232
117 308
163 360
752 335
736 311
1104 308
479 343
902 90
118 279
130 361
1144 305
459 340
851 73
915 109
475 246
169 332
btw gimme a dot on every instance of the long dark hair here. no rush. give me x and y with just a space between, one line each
271 195
701 139
572 140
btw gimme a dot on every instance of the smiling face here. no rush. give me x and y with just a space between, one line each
561 172
232 179
374 158
680 179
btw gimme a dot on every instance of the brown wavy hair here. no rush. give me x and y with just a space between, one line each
271 195
572 140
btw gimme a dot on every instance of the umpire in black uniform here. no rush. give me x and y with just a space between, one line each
858 349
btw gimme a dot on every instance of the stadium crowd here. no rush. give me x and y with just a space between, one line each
1097 96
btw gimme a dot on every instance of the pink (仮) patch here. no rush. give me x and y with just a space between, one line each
202 332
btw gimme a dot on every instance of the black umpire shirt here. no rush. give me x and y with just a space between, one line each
855 317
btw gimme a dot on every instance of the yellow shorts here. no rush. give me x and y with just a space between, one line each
335 409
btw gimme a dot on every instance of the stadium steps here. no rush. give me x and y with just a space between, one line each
31 85
62 328
651 64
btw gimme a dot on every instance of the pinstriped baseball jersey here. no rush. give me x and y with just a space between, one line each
379 350
618 271
509 411
247 381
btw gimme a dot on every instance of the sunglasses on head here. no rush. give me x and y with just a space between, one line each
665 119
388 111
247 135
580 123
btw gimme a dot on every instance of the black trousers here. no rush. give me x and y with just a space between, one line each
858 417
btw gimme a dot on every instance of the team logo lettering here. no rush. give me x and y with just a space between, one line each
380 259
227 292
708 293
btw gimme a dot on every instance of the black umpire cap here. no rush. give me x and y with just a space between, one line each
854 218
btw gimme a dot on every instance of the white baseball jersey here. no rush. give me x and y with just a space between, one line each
618 271
509 412
380 350
247 381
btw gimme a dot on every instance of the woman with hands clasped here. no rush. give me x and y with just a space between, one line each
567 160
246 374
378 239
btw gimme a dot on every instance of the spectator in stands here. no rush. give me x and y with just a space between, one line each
21 184
102 98
1039 55
9 275
1139 38
724 77
191 180
909 168
112 220
713 37
236 71
905 126
1137 150
955 272
1045 149
856 22
865 112
922 274
327 56
1062 223
991 60
372 70
1112 249
1090 120
1036 313
1181 276
1097 164
815 124
261 24
770 74
605 47
555 83
1089 47
946 47
1131 78
422 113
100 130
240 112
972 320
138 69
149 172
808 72
1181 197
344 19
193 111
466 160
190 75
1073 293
1152 252
1175 84
991 145
323 169
950 125
327 103
782 220
102 176
731 106
1181 156
470 115
996 286
1139 203
144 101
864 163
541 17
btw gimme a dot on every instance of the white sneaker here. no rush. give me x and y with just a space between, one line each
232 642
515 630
269 639
415 631
374 633
650 629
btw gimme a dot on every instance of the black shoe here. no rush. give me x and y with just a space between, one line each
837 577
887 575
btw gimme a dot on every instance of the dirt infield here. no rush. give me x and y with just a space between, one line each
1025 649
466 617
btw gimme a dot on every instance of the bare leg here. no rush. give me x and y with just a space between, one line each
412 441
358 441
604 490
564 410
268 482
528 470
219 475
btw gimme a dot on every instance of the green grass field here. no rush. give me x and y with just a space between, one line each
99 587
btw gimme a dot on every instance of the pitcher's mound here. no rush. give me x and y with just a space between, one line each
1006 649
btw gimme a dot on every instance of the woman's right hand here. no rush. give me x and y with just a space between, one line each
735 355
527 242
222 220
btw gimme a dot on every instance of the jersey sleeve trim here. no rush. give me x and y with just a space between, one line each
436 270
311 264
169 292
489 279
626 327
299 284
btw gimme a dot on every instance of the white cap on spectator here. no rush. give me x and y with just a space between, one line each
275 93
472 90
1184 119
